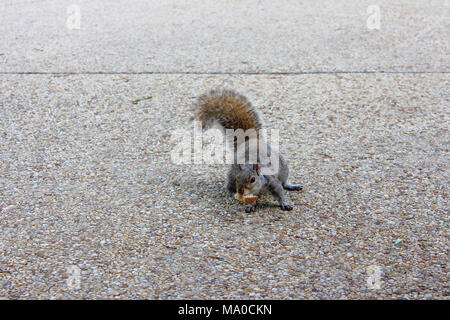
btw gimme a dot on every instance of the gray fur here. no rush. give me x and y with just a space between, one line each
274 184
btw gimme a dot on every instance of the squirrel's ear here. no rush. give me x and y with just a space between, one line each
255 167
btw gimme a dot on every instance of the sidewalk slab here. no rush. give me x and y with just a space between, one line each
230 36
86 181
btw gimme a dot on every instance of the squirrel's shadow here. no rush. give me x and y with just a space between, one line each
232 209
263 204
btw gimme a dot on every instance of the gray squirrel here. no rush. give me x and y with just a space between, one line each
232 110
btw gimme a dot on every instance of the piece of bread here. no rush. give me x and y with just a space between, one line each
250 199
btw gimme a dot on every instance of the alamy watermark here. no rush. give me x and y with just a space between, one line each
74 278
215 146
373 277
74 19
373 21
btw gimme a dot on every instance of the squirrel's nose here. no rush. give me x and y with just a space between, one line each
241 190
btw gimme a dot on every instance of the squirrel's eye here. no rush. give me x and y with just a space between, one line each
252 179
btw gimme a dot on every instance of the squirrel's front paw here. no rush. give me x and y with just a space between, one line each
249 207
286 207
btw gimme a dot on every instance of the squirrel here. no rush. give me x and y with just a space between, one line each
232 110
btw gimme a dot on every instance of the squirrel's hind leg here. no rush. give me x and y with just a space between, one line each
292 187
276 189
283 176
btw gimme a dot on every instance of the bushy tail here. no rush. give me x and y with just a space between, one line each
229 108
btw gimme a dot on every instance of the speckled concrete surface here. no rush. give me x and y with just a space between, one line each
248 36
86 179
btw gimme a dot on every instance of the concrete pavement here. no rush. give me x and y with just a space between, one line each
92 207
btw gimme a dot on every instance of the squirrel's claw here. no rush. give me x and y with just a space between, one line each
249 207
286 207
